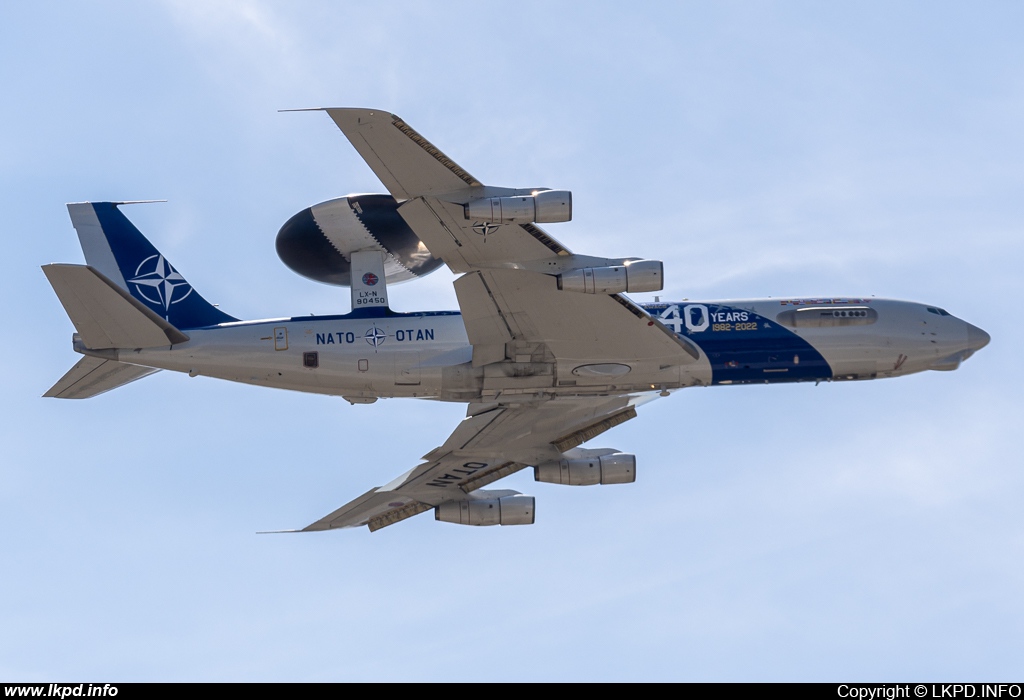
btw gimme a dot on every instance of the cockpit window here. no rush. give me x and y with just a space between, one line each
939 312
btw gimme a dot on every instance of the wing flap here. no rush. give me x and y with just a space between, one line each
396 515
359 511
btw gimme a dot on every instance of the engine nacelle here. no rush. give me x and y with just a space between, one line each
318 241
588 467
542 207
515 509
633 276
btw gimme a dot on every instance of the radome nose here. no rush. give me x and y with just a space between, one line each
977 338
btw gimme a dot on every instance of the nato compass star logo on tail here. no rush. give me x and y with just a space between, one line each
160 284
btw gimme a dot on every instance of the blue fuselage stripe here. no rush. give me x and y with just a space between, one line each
743 347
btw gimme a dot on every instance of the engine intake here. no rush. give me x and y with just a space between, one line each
633 276
515 509
542 207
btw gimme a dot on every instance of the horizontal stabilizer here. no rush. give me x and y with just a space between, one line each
93 376
105 315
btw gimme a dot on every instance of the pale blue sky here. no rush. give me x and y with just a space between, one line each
868 531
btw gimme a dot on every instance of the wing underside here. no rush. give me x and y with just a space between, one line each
546 352
509 293
491 444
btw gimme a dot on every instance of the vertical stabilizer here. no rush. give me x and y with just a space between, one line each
114 247
369 288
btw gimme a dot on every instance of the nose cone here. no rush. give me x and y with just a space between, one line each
976 338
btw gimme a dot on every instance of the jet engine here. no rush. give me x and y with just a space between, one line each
587 467
503 507
318 241
633 276
541 206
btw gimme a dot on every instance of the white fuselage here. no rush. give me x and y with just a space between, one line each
429 356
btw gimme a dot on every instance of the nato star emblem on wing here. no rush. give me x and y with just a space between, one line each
484 228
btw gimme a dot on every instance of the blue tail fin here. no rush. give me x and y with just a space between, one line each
116 248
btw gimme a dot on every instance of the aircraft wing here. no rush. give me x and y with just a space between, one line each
492 442
509 297
433 188
407 164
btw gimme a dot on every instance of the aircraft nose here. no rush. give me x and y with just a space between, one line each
976 338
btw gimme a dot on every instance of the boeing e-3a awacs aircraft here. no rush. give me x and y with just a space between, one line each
545 350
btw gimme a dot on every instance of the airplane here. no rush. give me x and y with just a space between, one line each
546 350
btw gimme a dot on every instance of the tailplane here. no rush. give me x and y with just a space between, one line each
94 375
107 318
121 254
105 315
